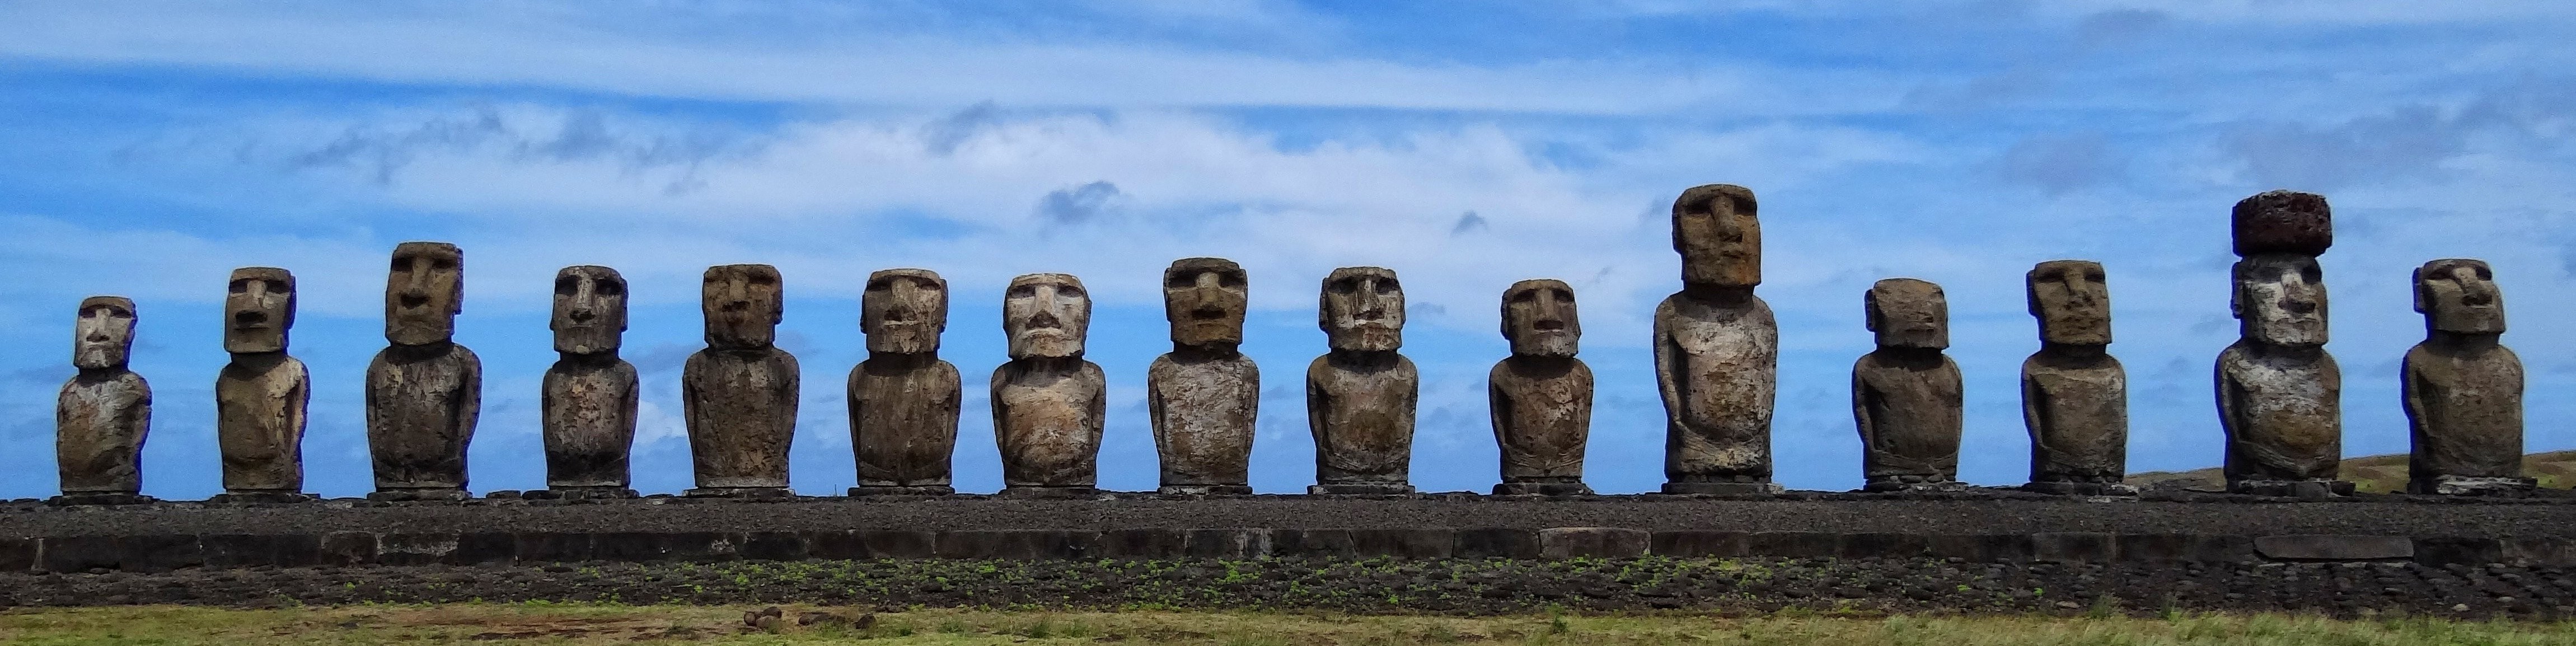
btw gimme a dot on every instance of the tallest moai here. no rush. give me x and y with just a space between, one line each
1717 349
2279 392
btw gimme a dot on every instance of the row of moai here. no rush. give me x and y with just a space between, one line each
1716 349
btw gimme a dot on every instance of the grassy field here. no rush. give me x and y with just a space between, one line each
608 624
2382 473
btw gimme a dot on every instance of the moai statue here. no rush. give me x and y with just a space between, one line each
1717 350
903 398
2463 388
104 411
424 391
1360 396
2074 394
260 396
589 398
1541 397
1048 402
739 394
2280 396
1906 394
1204 393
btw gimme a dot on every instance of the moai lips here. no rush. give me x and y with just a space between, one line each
1541 396
2279 392
259 307
740 393
1717 349
903 398
2075 396
1360 397
260 396
424 392
1048 403
1203 395
103 413
2462 387
424 292
1906 396
589 397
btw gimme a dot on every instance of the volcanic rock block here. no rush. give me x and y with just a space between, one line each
2463 388
104 410
1541 397
2075 395
1360 396
1204 395
1048 402
904 399
1906 395
1717 349
424 391
739 394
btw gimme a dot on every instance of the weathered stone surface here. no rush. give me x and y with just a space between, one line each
1540 398
2462 387
1591 542
903 398
1360 396
739 394
2333 547
1717 349
2283 222
2279 392
1204 394
2074 394
424 392
1906 395
589 394
1048 403
105 409
260 396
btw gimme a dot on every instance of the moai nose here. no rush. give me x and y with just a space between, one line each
1369 305
581 315
1044 318
2298 306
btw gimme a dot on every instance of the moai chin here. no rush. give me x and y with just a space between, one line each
424 391
104 411
1717 349
2279 392
1204 394
1541 397
903 398
2074 394
260 396
589 394
2463 388
739 394
1906 395
1360 396
1048 401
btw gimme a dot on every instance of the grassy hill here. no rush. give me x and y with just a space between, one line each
2381 473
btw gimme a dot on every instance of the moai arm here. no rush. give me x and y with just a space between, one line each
469 399
949 401
1861 397
1498 406
1667 380
850 394
2034 410
1318 403
1001 410
790 389
689 396
1098 407
2411 389
2228 390
1154 398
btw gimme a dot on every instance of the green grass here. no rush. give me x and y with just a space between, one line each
571 624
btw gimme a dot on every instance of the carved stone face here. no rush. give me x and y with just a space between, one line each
904 310
424 292
590 309
1909 313
1539 318
259 307
1205 300
743 304
2072 302
2459 295
1362 310
2280 299
103 337
1718 236
1046 316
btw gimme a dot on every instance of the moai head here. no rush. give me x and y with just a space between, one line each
1046 316
103 336
2459 295
1718 236
743 304
1908 313
2280 299
1205 299
2072 302
258 309
424 292
1362 310
2283 222
904 310
1539 320
590 309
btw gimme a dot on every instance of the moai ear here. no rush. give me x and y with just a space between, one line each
2236 290
2416 284
1869 309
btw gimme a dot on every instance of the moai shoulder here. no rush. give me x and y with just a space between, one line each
1204 394
1717 349
2279 392
1048 402
424 391
903 398
739 394
1541 396
589 394
2074 394
1906 395
1360 397
104 411
260 396
2463 387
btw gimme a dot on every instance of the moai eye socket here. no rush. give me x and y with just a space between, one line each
276 286
567 286
1563 295
1388 286
1346 286
1183 280
880 284
926 285
2094 275
1068 291
442 264
241 286
606 287
1023 291
402 263
2485 274
764 279
1229 279
2311 273
1528 296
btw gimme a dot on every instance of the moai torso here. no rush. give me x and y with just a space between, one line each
2462 387
103 412
739 394
2282 411
2075 396
1906 396
260 396
424 392
1360 396
589 394
2279 393
1048 403
1717 349
903 398
1541 396
1204 395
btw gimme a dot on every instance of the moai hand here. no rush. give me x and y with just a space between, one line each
1541 397
903 398
589 394
1203 395
1048 402
739 394
260 395
424 391
1360 397
1717 349
1906 396
104 411
2074 395
2463 388
2279 393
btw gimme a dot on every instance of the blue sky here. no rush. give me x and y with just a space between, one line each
148 148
